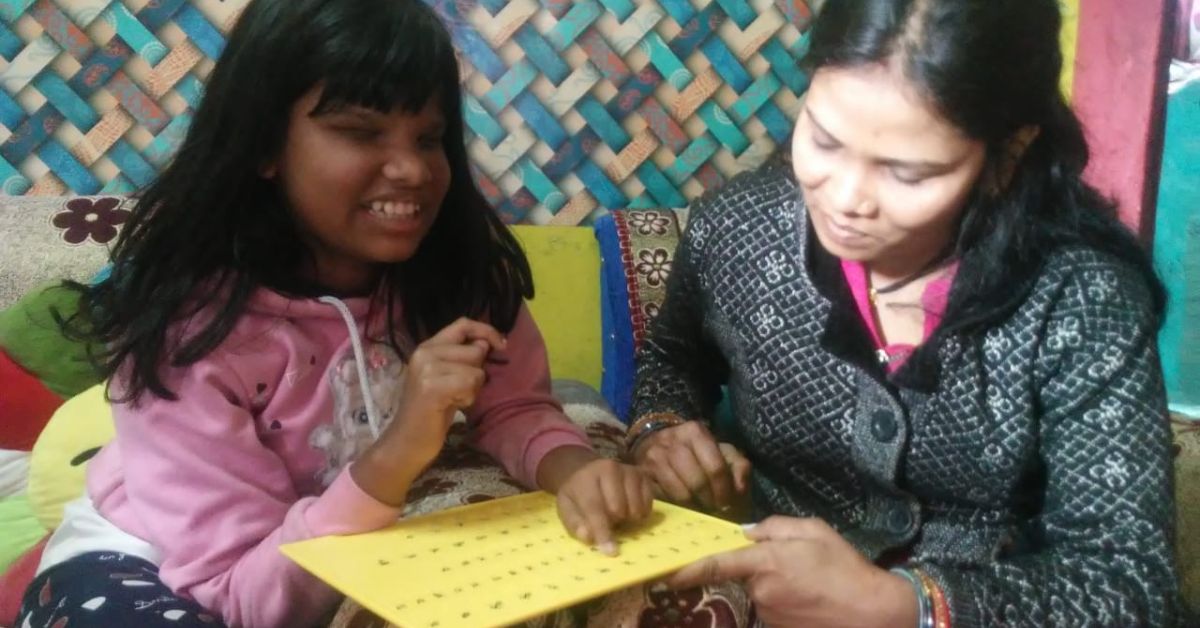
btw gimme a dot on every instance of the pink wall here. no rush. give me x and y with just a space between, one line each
1119 91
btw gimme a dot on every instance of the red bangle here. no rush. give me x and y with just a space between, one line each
941 609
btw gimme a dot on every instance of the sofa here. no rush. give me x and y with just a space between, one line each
597 289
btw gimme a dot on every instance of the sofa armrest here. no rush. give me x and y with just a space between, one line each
51 238
1187 501
636 251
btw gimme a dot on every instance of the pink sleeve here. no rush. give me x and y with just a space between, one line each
218 504
515 419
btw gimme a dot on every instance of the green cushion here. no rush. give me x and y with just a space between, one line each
21 529
32 339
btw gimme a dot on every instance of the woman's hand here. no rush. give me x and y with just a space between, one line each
688 465
443 375
595 494
803 573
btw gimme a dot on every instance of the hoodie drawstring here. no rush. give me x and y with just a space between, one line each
359 361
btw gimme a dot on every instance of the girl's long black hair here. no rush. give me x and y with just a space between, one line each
210 228
992 68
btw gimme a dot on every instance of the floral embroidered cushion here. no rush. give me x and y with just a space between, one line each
637 247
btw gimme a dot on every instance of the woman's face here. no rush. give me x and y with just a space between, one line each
884 175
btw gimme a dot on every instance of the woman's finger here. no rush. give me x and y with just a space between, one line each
672 486
719 475
687 467
739 465
782 528
736 565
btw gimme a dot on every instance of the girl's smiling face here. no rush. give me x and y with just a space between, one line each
365 187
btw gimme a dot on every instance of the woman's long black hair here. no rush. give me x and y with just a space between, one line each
992 68
211 225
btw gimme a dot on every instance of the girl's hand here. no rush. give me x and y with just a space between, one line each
596 494
803 573
443 375
688 465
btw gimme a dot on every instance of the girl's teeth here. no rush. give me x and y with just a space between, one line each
391 209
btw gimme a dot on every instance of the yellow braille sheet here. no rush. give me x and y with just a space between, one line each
502 561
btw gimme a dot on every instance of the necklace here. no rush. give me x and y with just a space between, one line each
934 264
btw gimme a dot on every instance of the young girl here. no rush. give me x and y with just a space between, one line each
941 345
298 308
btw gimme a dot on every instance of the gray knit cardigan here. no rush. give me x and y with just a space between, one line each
1027 470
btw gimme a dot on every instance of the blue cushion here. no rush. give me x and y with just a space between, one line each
616 383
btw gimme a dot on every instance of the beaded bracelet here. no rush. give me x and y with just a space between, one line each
925 618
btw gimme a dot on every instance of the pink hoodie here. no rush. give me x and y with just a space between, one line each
220 478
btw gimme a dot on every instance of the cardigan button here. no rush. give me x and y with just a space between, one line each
883 425
899 520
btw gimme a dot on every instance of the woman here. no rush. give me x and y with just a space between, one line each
938 341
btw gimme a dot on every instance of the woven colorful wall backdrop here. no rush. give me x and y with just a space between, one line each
573 106
96 94
615 103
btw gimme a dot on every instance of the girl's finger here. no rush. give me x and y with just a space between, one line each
638 495
572 518
594 511
456 385
465 330
472 354
612 488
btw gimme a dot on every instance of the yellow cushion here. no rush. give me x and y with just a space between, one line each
56 466
566 276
